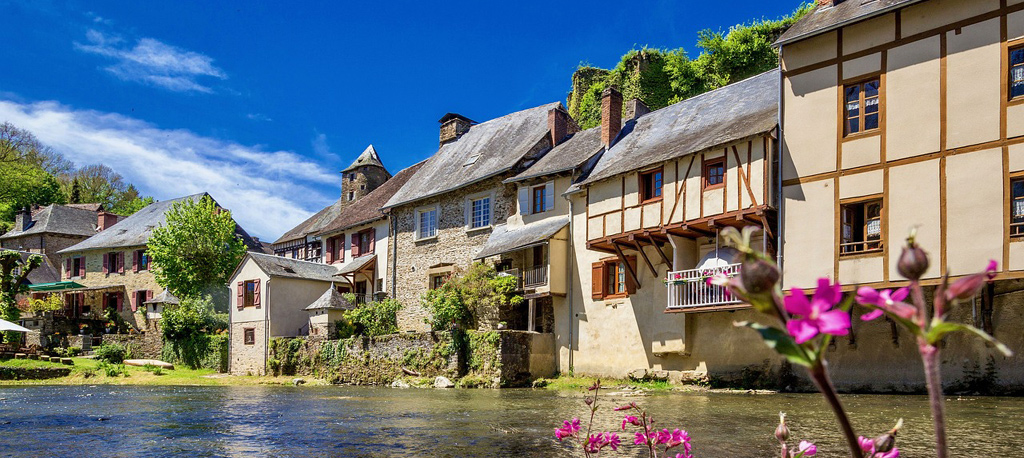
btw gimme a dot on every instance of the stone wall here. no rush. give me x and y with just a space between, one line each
367 178
248 359
41 373
139 346
130 282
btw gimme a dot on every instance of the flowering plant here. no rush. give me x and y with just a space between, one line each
807 325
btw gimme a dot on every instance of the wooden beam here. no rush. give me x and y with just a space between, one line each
629 268
664 257
640 248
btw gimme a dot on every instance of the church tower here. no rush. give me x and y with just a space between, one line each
365 174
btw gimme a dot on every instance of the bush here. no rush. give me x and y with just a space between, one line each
112 370
374 318
468 297
190 318
111 353
68 352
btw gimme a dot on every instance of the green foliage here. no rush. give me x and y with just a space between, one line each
13 274
343 329
111 353
196 250
334 352
50 303
286 355
661 77
468 296
190 318
199 351
373 319
484 351
112 369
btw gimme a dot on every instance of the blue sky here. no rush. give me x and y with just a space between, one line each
262 104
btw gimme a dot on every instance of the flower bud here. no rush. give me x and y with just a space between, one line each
887 441
782 431
913 262
758 276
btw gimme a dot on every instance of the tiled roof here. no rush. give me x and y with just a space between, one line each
367 157
313 224
714 118
369 207
822 20
571 153
279 266
59 219
486 150
503 240
331 300
45 273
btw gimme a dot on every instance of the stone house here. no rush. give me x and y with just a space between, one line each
47 230
358 180
111 269
900 115
443 216
270 296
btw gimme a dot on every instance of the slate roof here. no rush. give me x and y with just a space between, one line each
331 300
369 207
59 219
499 145
367 157
45 273
503 240
163 298
727 114
568 155
313 224
136 229
356 264
822 20
279 266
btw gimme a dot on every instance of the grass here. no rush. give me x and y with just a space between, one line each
576 383
87 371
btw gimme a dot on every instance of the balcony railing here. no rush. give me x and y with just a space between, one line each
690 288
535 276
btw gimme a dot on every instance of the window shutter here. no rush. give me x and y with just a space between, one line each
549 195
597 280
81 266
240 299
67 269
149 294
373 239
106 263
467 211
120 301
524 200
630 284
135 261
120 262
135 301
329 255
256 293
355 245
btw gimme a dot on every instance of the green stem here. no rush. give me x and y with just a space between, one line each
933 375
819 374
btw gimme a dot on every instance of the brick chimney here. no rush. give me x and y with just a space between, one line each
453 125
611 115
104 220
23 220
558 125
634 108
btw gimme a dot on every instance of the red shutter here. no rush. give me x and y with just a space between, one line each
256 293
120 262
149 295
329 252
67 269
630 284
81 266
373 236
597 280
134 301
135 261
355 245
240 301
106 263
120 301
80 302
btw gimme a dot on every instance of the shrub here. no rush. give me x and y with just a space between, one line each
111 353
376 318
477 294
112 370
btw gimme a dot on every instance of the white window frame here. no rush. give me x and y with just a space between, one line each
526 197
468 211
420 211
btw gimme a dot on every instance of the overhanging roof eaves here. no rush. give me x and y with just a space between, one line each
824 20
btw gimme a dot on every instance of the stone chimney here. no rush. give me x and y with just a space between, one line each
611 115
104 220
453 125
23 220
558 125
634 109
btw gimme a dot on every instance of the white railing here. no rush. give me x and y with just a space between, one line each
535 276
690 288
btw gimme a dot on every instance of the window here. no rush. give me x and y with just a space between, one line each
714 172
611 279
861 106
249 299
539 196
480 213
426 223
78 267
140 258
141 296
650 185
362 243
1016 72
1017 207
113 263
436 281
861 226
351 195
249 336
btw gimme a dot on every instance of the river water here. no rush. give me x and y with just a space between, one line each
142 421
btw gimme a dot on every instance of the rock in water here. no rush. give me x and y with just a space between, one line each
399 383
443 382
299 381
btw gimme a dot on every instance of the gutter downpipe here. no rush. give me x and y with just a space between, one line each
266 327
568 277
394 253
779 238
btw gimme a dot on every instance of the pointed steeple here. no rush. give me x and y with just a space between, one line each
367 157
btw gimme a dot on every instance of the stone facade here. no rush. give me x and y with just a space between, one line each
127 283
140 346
361 181
248 359
453 248
45 244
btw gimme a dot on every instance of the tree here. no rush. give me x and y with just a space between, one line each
196 250
13 281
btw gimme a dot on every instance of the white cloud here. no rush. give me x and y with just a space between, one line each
267 191
153 62
258 117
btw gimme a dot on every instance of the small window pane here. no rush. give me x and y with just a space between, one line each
1017 56
854 125
871 105
871 89
852 109
853 93
871 121
481 213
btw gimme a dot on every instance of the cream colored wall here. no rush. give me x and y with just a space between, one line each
287 299
382 232
936 13
914 204
912 99
248 271
810 103
558 259
561 205
973 82
974 205
869 34
810 51
809 236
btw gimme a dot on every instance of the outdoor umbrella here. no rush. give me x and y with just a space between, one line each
8 326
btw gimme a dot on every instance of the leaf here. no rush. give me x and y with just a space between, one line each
939 330
779 341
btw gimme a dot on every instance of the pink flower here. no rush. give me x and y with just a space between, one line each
631 405
596 442
612 441
630 420
965 288
568 429
817 315
807 448
885 301
868 446
640 439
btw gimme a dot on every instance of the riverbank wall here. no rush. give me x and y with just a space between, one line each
471 358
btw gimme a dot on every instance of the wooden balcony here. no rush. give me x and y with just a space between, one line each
531 277
689 290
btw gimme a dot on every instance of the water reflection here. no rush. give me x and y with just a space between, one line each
374 422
